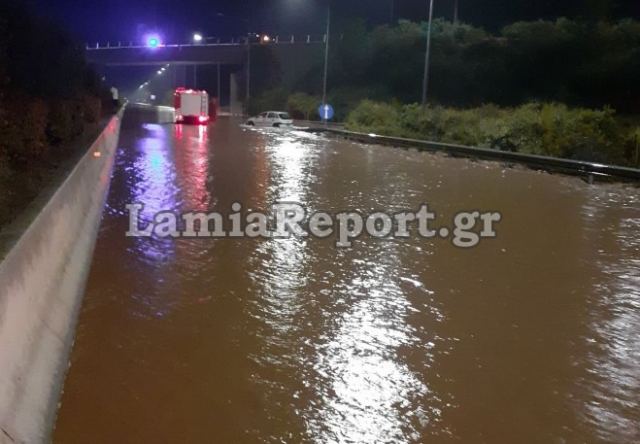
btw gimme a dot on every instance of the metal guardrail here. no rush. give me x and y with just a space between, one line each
315 124
591 170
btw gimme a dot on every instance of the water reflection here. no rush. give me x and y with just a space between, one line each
153 184
368 394
192 168
614 383
278 265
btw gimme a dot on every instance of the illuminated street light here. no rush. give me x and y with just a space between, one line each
197 37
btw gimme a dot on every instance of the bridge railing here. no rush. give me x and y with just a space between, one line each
215 41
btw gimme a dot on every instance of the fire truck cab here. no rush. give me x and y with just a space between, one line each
192 106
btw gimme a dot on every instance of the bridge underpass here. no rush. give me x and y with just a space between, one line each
219 68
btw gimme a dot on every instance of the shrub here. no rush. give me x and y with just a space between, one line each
303 106
546 129
92 108
5 169
60 121
372 116
632 147
23 130
66 121
274 99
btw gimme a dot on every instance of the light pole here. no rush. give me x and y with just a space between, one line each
455 12
248 21
248 86
326 54
425 80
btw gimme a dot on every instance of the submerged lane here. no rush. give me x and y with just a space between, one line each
532 337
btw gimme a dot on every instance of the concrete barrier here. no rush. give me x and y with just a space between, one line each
42 279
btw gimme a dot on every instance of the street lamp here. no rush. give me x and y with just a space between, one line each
326 54
425 80
197 37
248 80
455 12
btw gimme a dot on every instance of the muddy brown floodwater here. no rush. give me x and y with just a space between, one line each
533 337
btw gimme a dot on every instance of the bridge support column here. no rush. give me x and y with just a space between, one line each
219 88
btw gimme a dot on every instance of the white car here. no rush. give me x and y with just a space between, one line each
271 118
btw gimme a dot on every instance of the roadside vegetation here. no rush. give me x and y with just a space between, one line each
548 129
564 88
49 98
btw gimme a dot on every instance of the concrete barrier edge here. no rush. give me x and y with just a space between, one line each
42 281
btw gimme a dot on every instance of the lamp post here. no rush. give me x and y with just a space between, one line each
248 86
326 54
425 80
455 12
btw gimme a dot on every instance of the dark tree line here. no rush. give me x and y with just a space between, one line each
574 62
494 14
47 92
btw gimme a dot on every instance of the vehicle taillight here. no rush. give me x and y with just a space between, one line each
203 118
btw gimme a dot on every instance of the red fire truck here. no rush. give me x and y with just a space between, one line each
192 106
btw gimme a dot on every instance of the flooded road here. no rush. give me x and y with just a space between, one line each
532 337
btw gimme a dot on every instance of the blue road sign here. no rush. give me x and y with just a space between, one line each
326 112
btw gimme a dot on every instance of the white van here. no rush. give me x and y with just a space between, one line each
271 118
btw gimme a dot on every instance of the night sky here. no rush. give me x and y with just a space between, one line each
129 20
175 21
102 20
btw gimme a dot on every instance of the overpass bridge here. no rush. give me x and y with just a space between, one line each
189 63
233 52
